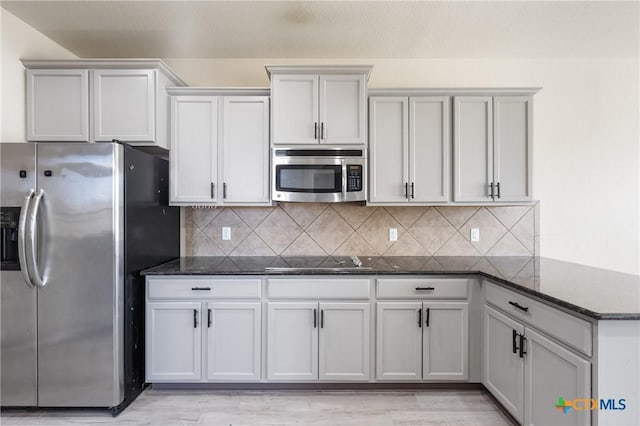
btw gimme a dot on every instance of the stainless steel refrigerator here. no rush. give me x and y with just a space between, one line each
79 222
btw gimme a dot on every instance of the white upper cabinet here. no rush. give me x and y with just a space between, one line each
128 101
512 147
219 149
492 148
389 149
245 150
429 148
295 109
124 105
410 149
57 105
342 109
193 157
319 105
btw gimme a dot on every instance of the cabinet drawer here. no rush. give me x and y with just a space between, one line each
416 288
318 288
203 288
569 329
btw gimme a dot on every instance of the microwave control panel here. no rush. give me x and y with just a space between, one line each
354 178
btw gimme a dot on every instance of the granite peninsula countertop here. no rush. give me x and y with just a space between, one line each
596 293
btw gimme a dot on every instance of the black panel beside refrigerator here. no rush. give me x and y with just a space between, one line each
152 236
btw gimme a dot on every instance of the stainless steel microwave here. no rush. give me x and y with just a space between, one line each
319 175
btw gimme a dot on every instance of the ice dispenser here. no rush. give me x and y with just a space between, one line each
9 219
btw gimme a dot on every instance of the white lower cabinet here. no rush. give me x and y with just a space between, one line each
233 341
173 342
292 341
344 341
528 372
445 341
552 371
503 368
202 329
311 341
422 341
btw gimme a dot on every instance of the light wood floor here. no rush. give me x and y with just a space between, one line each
206 407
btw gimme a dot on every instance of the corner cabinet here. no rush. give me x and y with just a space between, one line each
410 149
98 101
526 370
219 149
319 105
492 145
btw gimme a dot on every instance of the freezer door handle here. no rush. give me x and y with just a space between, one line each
31 241
22 240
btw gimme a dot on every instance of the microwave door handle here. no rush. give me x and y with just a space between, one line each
22 238
344 180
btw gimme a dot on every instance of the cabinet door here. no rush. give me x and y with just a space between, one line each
503 370
173 342
292 341
245 149
57 105
512 148
429 148
124 105
342 109
233 341
552 371
399 341
295 109
472 148
388 149
445 353
344 341
193 156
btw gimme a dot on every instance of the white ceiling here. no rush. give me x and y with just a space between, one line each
336 29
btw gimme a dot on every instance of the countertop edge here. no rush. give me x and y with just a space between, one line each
549 300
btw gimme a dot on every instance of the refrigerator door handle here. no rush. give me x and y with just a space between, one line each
31 252
22 241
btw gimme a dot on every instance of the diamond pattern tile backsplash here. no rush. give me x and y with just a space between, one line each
320 229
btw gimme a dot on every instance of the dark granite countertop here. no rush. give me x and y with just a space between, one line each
596 293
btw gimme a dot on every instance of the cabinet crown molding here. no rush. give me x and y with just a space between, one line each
218 91
319 69
455 91
136 63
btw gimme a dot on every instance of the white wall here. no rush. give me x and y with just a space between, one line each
19 40
586 151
